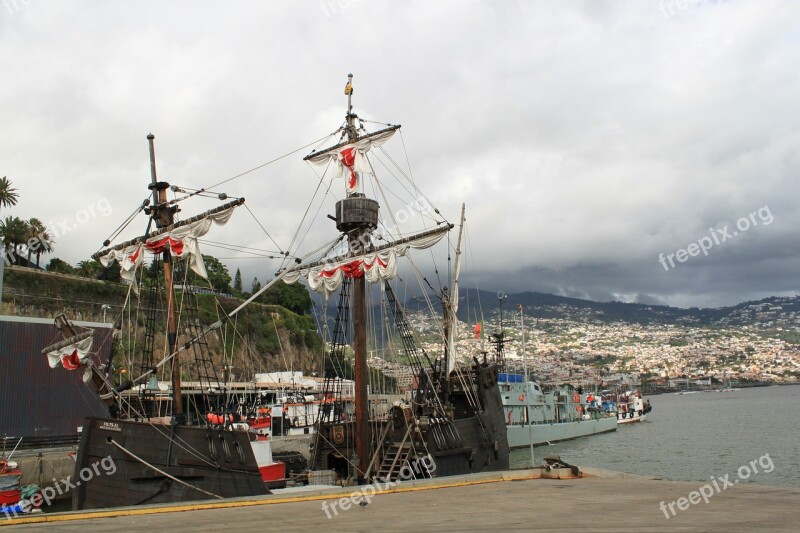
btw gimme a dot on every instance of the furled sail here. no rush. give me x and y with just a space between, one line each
376 265
72 353
180 239
452 306
351 157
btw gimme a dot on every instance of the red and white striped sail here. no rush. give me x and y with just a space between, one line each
181 242
327 276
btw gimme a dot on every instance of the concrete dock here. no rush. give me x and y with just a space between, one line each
502 501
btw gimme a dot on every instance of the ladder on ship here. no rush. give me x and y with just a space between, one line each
397 456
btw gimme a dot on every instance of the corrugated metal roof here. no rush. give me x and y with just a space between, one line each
36 400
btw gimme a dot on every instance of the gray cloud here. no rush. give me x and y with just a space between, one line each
586 137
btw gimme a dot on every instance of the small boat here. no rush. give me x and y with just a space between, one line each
631 407
16 499
294 414
10 490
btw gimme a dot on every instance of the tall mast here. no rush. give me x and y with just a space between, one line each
450 304
163 215
358 231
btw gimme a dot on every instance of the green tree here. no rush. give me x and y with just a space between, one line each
13 231
237 281
58 265
293 297
111 273
8 194
39 240
218 274
90 269
255 286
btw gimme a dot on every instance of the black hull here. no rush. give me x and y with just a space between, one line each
481 444
479 455
212 461
484 434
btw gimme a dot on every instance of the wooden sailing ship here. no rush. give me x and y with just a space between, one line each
163 447
453 422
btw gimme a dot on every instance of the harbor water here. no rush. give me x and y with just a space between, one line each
693 437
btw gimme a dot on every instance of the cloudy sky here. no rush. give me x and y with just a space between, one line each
585 137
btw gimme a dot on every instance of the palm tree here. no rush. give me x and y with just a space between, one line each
8 194
13 231
43 242
89 269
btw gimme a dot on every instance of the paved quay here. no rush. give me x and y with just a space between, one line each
510 501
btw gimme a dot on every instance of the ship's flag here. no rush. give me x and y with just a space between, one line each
352 158
347 158
476 330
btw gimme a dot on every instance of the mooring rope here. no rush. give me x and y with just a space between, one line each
173 478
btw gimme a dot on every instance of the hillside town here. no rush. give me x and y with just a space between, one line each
753 343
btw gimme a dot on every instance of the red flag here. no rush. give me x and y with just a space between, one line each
348 159
476 330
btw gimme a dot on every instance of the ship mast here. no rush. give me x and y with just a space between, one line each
450 306
350 220
163 215
356 218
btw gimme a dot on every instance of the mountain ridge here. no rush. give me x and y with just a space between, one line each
767 310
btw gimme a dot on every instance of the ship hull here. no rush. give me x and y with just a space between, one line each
484 434
479 455
636 418
124 463
536 417
460 445
521 436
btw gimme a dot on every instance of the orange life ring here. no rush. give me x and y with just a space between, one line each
576 398
522 397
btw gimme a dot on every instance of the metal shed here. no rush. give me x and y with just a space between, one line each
36 400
